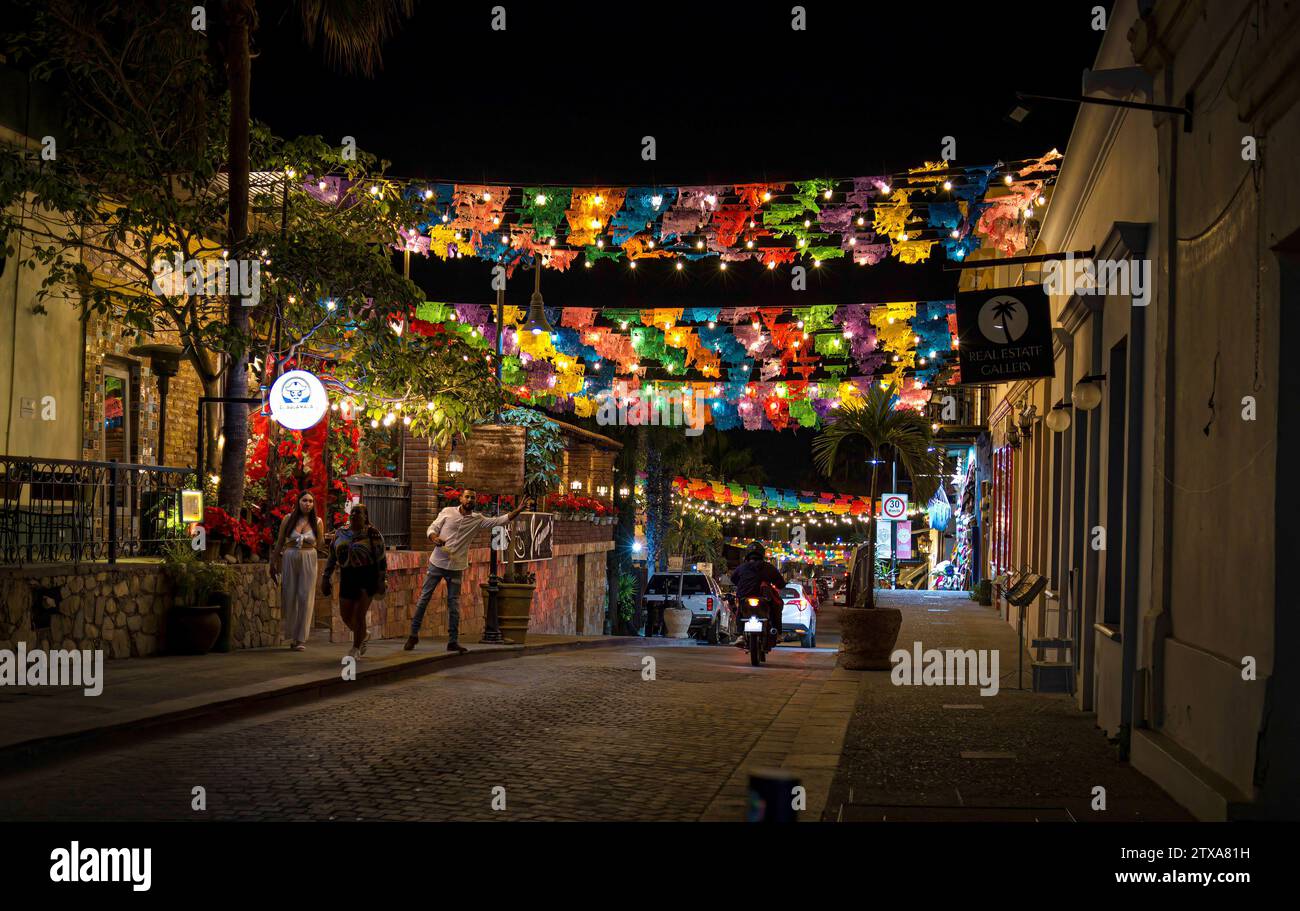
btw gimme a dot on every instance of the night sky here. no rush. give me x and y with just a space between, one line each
729 91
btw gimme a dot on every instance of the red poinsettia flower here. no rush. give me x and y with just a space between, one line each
217 522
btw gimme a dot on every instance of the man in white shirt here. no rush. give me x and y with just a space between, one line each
451 534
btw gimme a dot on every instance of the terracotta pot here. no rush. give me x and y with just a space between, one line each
678 621
193 630
868 637
213 552
514 606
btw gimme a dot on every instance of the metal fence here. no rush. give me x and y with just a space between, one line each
389 503
61 510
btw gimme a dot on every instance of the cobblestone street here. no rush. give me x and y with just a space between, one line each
570 736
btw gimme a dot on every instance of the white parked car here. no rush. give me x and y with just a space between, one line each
710 618
798 619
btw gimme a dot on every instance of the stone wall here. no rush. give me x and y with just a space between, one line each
579 552
120 608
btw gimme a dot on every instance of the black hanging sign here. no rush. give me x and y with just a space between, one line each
532 535
1004 334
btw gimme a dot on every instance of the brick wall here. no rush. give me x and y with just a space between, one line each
183 416
557 602
420 467
485 468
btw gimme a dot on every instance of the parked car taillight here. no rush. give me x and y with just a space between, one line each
708 605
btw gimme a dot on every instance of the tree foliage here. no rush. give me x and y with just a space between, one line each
698 538
137 179
543 446
883 429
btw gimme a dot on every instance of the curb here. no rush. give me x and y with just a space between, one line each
58 747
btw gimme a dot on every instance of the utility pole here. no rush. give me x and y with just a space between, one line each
893 531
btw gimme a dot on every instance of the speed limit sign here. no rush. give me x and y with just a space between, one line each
893 506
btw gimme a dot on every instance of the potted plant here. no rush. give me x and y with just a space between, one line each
514 600
677 620
870 632
220 530
200 590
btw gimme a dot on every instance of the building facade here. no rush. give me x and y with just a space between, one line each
1159 511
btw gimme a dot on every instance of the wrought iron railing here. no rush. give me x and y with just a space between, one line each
61 510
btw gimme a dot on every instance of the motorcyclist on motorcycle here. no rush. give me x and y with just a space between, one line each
757 578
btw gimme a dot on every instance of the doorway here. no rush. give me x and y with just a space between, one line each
117 442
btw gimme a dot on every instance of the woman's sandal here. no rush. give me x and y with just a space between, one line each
299 647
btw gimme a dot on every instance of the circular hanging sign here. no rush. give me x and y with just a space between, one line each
298 400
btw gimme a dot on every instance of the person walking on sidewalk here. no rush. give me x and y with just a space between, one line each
451 533
293 565
358 552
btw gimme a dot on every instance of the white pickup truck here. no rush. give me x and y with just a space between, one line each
711 621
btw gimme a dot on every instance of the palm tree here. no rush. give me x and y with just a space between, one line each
882 427
697 538
1003 312
351 33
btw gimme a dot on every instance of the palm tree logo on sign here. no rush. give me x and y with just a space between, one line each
1003 319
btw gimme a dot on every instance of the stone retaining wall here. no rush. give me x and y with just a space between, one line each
121 608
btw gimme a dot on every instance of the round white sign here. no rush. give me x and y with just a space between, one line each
1003 319
893 506
298 400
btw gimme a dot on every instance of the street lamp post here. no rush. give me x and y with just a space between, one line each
491 629
536 324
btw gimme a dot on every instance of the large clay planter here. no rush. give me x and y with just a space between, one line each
193 630
514 605
868 637
678 621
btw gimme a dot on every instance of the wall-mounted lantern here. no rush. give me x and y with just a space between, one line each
1087 392
1058 419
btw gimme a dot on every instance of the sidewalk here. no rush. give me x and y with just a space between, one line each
147 694
948 753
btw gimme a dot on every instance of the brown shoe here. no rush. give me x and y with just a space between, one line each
457 647
410 643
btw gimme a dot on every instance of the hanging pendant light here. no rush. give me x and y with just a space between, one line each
454 465
537 322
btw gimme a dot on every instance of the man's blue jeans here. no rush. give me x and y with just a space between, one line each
431 579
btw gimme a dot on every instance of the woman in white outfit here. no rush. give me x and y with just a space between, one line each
293 562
